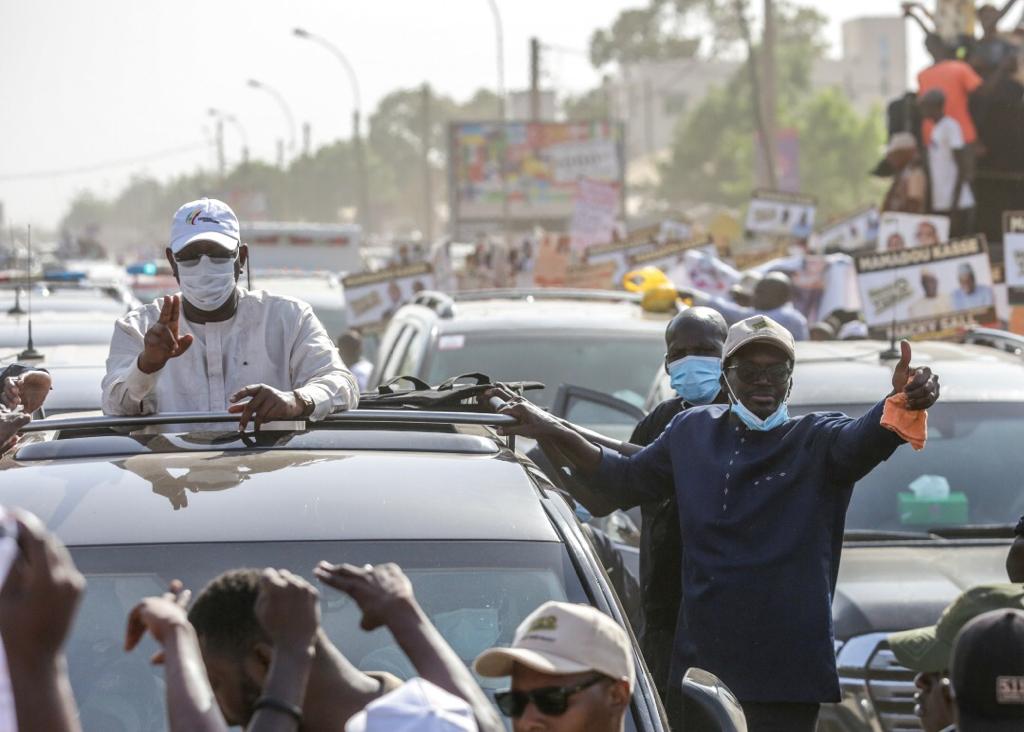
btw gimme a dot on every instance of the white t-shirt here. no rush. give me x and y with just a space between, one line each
946 138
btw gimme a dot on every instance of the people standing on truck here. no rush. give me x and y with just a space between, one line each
350 346
762 503
928 651
772 296
949 166
215 343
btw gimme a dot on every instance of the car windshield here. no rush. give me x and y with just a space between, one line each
908 492
476 593
605 362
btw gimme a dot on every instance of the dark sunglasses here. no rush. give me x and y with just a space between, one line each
550 700
777 374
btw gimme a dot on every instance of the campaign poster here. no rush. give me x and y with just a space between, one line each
594 212
703 270
1013 255
529 172
373 297
777 213
903 230
620 254
928 291
669 258
854 232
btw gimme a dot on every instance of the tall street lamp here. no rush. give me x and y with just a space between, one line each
502 121
362 183
223 117
289 118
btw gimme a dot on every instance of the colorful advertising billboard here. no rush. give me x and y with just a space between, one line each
543 165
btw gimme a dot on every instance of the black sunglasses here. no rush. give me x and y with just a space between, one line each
550 700
777 374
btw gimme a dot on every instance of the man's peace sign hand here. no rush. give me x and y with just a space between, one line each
162 342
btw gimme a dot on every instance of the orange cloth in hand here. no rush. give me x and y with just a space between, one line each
910 424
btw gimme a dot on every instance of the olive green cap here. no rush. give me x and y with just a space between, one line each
930 649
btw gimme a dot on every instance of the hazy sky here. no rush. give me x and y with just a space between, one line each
84 84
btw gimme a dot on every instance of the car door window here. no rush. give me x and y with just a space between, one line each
412 357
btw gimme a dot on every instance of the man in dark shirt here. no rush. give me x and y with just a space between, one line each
693 342
762 502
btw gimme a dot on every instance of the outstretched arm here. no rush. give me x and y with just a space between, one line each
190 701
385 596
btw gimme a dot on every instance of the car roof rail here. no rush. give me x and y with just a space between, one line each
353 416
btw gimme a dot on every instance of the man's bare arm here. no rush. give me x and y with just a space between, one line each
385 596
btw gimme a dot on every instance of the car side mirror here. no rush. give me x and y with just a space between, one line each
711 700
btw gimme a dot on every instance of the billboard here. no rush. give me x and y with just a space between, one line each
538 166
903 230
371 298
927 291
1013 255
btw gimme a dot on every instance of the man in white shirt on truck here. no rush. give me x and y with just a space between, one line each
216 344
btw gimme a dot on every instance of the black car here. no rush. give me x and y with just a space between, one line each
480 531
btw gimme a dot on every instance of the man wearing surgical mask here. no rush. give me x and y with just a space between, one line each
693 361
216 345
762 503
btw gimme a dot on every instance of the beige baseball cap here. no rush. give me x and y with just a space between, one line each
561 638
758 329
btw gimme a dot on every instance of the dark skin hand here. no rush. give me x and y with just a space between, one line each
29 390
10 423
162 342
266 405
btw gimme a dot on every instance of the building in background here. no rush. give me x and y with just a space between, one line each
653 97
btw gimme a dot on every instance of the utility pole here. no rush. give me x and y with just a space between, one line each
760 127
221 164
307 134
363 194
534 79
428 184
280 153
768 88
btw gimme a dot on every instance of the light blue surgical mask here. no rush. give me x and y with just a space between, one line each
752 421
697 379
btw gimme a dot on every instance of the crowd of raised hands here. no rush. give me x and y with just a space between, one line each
40 597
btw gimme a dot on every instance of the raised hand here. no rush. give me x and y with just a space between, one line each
162 342
288 608
160 616
29 390
919 384
379 591
40 595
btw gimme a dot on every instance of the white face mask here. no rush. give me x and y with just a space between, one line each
206 284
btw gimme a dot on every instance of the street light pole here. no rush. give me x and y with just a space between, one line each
289 118
362 184
226 117
502 121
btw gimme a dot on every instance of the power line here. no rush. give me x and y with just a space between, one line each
106 165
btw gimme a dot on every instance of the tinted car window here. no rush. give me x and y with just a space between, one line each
967 447
476 593
605 362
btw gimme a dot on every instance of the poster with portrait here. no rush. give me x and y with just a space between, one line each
371 298
669 258
927 291
595 208
777 213
1013 255
854 232
903 230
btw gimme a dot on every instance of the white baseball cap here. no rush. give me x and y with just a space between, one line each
560 638
415 706
204 220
